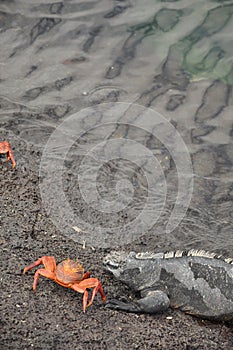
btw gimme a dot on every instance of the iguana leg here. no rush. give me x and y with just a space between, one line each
153 302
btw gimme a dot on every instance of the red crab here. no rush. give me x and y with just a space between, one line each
70 274
6 148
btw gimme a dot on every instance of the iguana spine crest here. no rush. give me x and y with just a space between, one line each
181 253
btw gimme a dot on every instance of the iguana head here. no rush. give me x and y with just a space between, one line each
122 265
137 270
115 262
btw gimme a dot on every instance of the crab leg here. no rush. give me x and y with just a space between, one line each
42 272
49 263
82 290
11 157
89 283
97 289
86 275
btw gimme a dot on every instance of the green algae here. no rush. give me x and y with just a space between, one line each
207 50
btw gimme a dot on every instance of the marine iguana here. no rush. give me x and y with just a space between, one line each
197 282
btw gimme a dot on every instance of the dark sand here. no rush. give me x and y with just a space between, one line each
53 318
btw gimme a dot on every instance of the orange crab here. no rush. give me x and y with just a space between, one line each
5 148
70 274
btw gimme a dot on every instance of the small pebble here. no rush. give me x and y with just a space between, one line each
169 317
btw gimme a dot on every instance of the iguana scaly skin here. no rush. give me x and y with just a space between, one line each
197 282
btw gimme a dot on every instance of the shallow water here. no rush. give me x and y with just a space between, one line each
114 161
